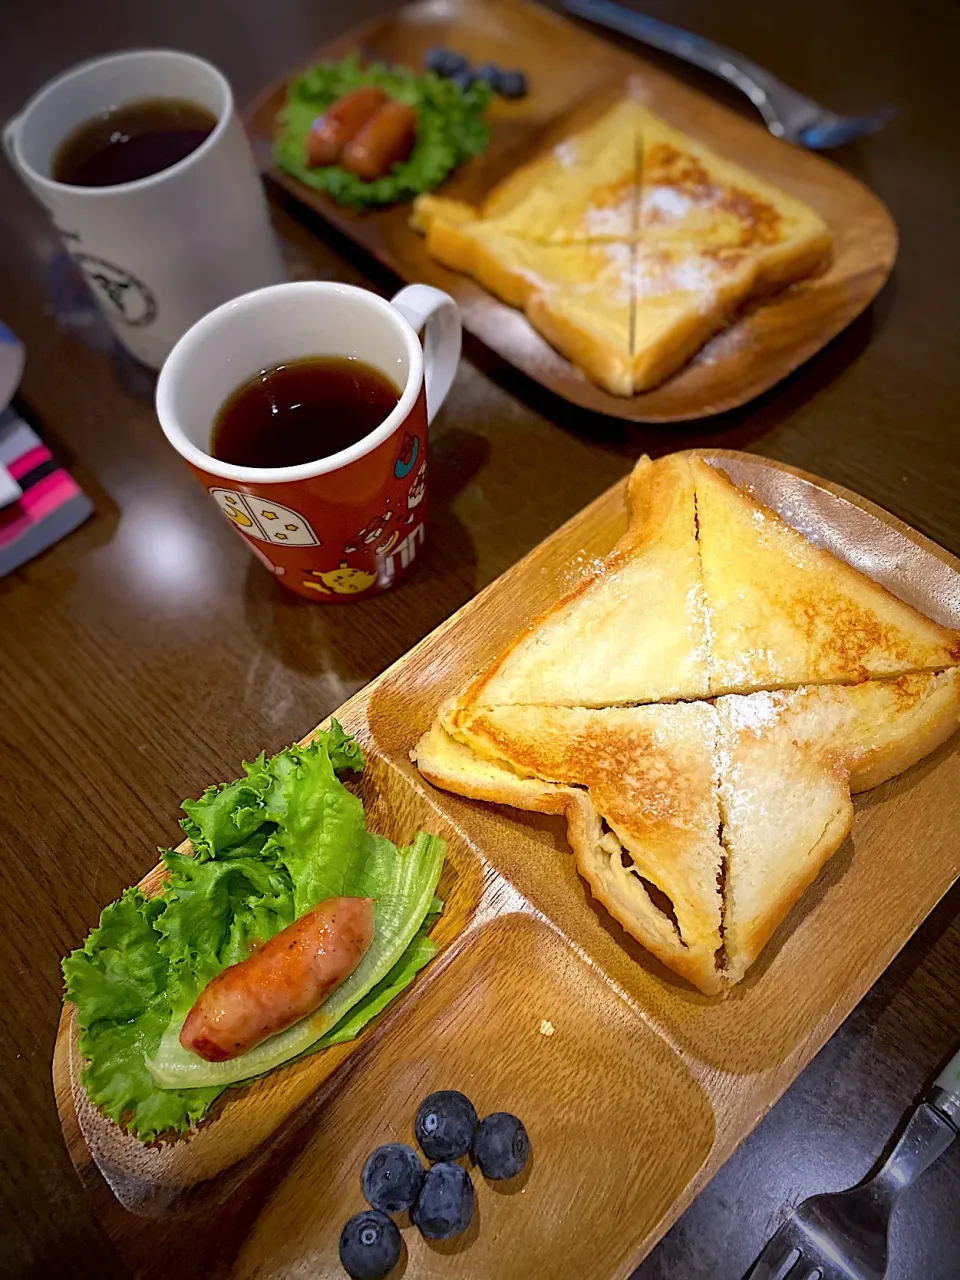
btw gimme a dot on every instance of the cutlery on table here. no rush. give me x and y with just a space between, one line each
843 1235
788 114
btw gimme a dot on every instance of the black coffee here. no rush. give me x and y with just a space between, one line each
302 411
131 141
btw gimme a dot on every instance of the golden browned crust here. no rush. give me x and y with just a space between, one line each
453 766
845 627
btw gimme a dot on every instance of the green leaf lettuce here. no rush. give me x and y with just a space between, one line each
450 129
267 848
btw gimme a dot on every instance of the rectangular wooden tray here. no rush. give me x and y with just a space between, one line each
573 76
635 1088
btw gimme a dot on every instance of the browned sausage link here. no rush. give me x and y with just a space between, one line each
331 132
384 141
281 982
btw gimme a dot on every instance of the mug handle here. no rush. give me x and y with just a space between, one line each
436 314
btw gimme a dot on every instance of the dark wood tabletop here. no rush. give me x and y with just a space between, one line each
146 654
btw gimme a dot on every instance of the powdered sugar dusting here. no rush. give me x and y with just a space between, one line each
667 204
567 153
657 272
608 220
754 712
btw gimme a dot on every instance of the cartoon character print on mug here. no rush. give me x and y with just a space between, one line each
391 539
370 558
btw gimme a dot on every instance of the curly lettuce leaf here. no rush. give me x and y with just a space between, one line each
118 981
450 129
267 848
403 882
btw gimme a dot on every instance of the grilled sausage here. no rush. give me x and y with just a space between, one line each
331 132
281 982
385 139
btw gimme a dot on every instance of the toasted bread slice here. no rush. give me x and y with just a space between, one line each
780 765
691 196
692 234
784 612
631 176
585 189
578 295
788 762
634 629
638 789
628 315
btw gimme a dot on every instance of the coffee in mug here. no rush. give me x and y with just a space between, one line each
163 226
302 411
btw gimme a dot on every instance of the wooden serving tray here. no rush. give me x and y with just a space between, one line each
634 1087
573 76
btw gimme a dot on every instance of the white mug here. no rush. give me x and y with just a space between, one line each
160 252
352 523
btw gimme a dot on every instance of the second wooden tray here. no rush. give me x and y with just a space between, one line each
573 75
635 1088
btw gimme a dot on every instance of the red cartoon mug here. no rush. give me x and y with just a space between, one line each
350 524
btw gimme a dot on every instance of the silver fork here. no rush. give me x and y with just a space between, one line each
787 114
843 1236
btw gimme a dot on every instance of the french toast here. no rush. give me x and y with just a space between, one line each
784 612
633 629
698 825
773 679
788 763
695 234
638 790
577 295
709 592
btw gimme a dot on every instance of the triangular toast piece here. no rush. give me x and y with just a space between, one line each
784 613
633 630
627 314
698 825
694 197
787 763
583 189
639 792
577 295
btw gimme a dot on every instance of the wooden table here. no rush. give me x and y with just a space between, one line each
148 653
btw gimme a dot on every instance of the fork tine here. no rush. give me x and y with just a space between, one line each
779 1258
823 137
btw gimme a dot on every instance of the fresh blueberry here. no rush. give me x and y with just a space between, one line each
501 1147
445 1206
444 61
445 1125
392 1177
370 1246
511 84
465 79
489 73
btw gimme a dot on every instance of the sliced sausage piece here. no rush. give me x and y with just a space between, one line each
281 982
331 132
385 140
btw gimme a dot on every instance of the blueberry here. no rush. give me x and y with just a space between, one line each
511 84
444 61
445 1206
464 79
489 73
445 1125
501 1147
370 1246
392 1177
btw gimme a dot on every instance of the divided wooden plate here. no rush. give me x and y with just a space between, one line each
635 1088
573 76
